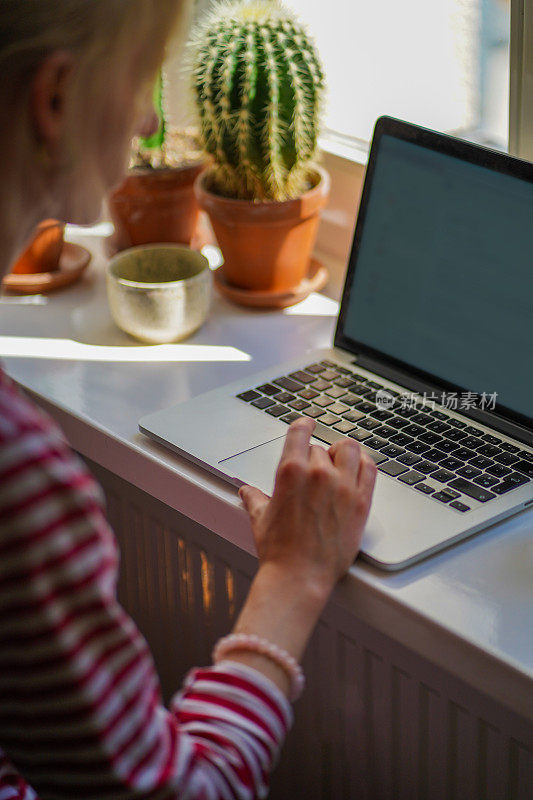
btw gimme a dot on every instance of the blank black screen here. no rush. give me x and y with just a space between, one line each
444 272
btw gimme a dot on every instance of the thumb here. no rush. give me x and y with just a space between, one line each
254 500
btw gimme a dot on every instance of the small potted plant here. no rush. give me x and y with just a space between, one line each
156 201
258 88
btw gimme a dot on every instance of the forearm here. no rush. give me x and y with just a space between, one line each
284 609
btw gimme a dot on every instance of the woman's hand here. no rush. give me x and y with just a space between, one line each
313 524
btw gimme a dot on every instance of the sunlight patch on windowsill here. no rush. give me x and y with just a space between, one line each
69 350
316 305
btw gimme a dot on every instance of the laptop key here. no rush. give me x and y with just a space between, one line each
288 384
472 442
415 447
370 424
301 376
498 470
524 466
488 437
401 439
326 434
445 496
506 458
468 471
334 391
464 453
344 382
299 405
446 446
320 385
408 458
422 418
455 435
360 434
350 399
526 454
376 443
509 483
314 368
424 488
435 455
364 406
459 506
457 423
412 477
393 468
284 397
471 489
413 430
250 395
313 411
277 411
393 451
382 414
473 431
430 437
438 427
268 388
438 414
488 450
290 417
323 400
426 467
398 422
442 476
486 481
263 402
511 448
385 431
338 408
344 426
450 462
328 419
308 394
330 374
481 461
353 415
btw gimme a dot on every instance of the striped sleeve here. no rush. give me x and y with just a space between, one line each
80 709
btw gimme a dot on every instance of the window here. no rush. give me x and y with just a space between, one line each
439 63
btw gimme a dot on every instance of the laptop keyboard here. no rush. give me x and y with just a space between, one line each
445 458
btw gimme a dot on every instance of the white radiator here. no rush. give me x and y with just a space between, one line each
376 721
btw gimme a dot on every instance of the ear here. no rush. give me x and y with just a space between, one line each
49 97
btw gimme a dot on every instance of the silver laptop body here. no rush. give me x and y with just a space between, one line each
435 326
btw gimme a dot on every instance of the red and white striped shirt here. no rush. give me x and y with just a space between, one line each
80 709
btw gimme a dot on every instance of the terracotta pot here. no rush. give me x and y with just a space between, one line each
155 205
266 245
43 252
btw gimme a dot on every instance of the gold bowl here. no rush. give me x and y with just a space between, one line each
159 292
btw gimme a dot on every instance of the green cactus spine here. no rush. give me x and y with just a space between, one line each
258 88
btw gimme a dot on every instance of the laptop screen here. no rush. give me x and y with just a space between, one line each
441 275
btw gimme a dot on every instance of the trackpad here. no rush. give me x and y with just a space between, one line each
256 466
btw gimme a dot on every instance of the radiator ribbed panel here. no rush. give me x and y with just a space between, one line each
375 723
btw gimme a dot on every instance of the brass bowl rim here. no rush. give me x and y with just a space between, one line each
163 285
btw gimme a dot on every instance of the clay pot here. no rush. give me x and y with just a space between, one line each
43 252
266 245
155 205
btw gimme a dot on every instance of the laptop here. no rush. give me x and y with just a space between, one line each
431 366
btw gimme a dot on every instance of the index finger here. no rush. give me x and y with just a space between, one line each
297 439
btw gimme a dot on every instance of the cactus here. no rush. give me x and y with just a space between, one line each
258 88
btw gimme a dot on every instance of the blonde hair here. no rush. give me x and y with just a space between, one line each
96 31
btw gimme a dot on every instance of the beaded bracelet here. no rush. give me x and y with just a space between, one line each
245 641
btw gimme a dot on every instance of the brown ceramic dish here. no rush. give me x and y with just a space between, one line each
43 252
314 282
73 261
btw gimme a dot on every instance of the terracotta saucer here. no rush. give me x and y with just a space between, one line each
73 260
316 280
